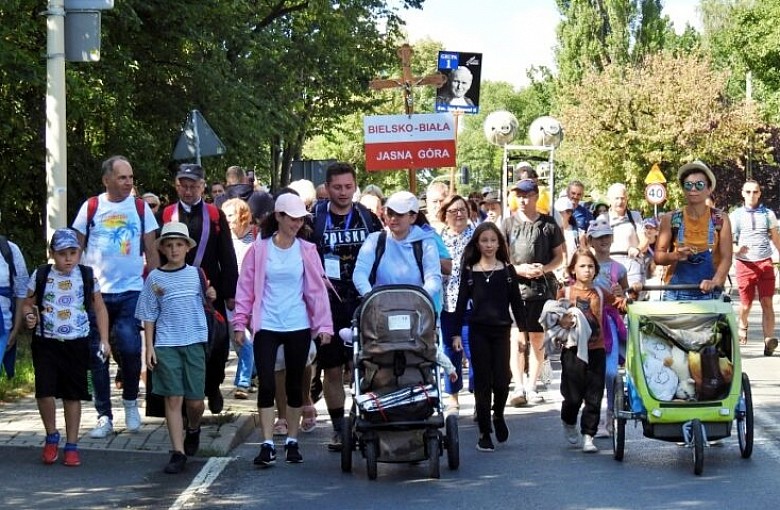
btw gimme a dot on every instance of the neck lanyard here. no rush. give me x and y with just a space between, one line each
329 225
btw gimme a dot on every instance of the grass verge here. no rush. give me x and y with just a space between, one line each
23 382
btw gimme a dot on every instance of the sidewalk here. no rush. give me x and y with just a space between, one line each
20 424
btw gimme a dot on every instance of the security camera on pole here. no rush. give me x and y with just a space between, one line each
545 133
81 44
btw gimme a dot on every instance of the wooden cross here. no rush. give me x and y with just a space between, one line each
406 82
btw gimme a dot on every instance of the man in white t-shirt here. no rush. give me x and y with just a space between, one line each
628 241
116 238
755 230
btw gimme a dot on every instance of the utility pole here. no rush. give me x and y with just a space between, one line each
406 83
56 146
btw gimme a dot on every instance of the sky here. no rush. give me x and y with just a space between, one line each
512 35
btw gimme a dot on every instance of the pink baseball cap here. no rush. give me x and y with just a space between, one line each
290 204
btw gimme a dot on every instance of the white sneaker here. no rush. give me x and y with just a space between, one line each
132 416
570 433
535 398
103 429
587 444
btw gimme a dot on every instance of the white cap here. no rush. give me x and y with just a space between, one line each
290 204
402 202
564 204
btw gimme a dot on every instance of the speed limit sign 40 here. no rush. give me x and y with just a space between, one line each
655 193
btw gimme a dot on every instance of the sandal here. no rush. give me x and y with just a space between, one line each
280 427
743 335
308 418
770 344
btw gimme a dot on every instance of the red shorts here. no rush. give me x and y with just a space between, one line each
759 274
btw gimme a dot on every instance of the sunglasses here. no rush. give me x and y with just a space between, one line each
694 185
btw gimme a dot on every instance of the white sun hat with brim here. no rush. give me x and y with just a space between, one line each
175 230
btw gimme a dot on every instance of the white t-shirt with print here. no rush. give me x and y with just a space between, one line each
114 245
63 312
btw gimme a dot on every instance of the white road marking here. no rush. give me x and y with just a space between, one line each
202 481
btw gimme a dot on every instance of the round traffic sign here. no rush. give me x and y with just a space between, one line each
655 193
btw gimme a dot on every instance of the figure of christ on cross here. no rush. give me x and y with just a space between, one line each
407 82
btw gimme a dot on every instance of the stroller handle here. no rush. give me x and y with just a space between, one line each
678 286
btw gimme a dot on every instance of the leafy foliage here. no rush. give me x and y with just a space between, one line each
669 110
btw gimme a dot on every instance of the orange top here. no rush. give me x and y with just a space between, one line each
696 231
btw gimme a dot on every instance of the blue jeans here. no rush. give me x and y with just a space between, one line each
245 365
447 327
125 347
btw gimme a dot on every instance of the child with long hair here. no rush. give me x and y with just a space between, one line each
582 380
488 284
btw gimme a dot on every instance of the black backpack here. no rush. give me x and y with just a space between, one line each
381 242
321 217
42 274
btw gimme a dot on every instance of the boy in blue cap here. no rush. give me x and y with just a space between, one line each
59 299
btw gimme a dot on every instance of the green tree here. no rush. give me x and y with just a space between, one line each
596 33
668 110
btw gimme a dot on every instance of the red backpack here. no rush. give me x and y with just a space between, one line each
92 206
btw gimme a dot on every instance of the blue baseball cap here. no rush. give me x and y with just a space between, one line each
526 186
64 238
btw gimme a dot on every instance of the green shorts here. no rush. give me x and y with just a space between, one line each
180 371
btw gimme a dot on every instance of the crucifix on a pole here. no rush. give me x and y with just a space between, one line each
406 82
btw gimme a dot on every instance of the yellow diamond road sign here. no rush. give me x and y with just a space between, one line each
655 176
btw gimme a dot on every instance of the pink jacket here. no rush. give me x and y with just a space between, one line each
251 283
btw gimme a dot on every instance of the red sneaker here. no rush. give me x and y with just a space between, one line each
72 458
50 453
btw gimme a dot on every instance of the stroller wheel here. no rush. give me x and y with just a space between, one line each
452 442
371 453
618 423
698 446
745 419
433 444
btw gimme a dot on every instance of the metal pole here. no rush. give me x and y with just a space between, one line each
56 143
503 184
196 135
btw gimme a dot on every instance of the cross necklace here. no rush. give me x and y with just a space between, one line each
484 271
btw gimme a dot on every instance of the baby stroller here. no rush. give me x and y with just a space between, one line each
683 378
396 409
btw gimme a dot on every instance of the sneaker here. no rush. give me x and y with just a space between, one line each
535 398
335 444
51 448
570 433
518 399
216 402
72 458
292 454
176 464
587 444
132 416
103 429
241 394
267 455
502 431
485 444
191 442
770 344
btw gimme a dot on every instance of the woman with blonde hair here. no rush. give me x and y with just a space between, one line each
239 218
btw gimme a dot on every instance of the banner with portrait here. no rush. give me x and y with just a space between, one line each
461 90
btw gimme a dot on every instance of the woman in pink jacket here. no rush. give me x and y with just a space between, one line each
281 290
